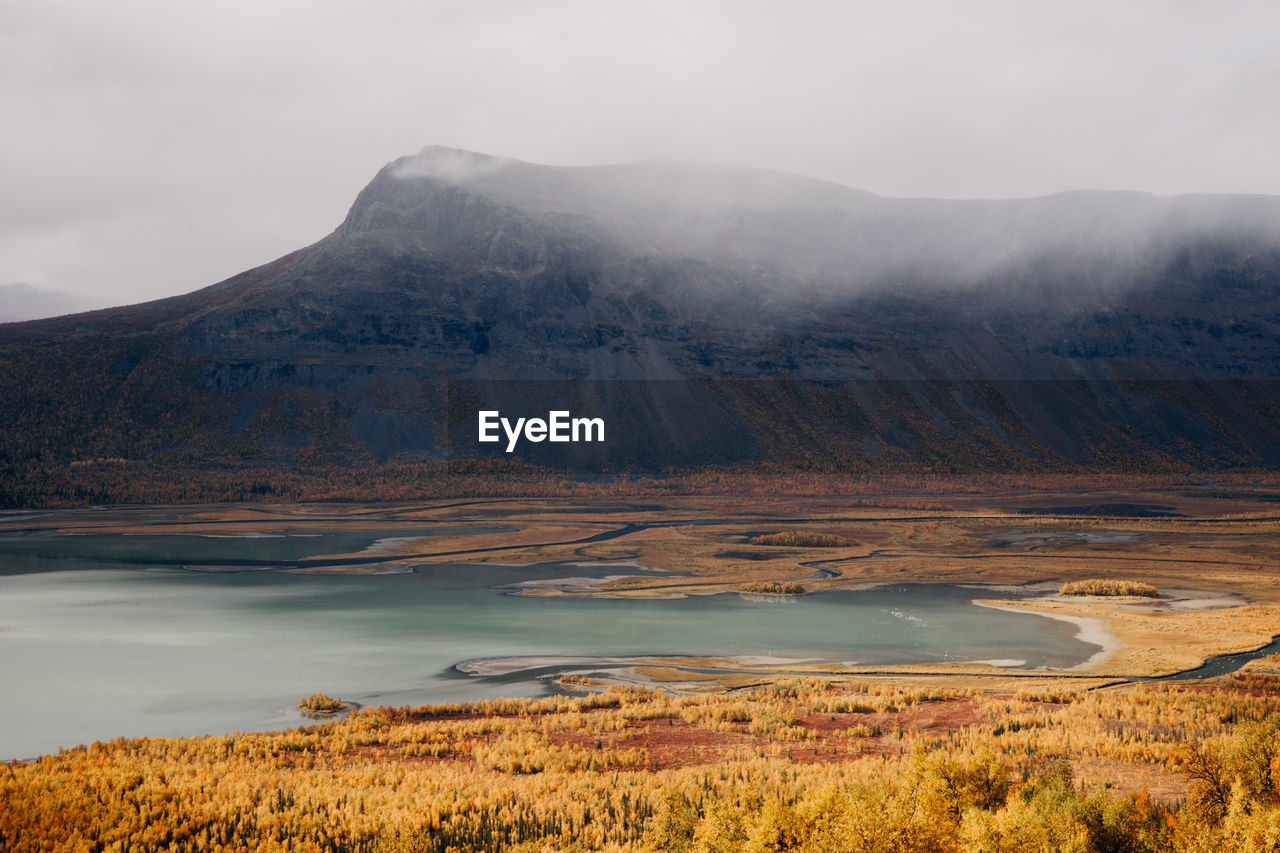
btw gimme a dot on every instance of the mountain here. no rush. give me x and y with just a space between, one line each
710 316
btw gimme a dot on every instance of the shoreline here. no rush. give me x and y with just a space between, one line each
1090 629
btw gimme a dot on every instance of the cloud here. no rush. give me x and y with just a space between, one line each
155 147
24 302
448 165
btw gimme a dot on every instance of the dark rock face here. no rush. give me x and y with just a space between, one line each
710 316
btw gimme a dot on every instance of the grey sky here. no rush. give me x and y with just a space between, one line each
151 148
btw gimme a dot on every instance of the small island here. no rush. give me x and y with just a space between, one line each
321 705
1109 587
801 539
773 587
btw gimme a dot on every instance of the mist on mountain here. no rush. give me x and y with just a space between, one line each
711 316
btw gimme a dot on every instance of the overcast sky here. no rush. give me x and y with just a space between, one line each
151 148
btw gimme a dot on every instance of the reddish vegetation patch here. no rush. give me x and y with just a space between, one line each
827 725
929 718
941 717
671 742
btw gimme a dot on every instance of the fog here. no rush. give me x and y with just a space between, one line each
788 235
154 148
24 302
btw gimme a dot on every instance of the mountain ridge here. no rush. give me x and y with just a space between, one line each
819 325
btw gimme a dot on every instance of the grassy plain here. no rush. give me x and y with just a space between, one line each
814 765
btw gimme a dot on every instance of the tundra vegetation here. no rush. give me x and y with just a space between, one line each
320 704
773 587
972 759
1109 587
802 539
810 765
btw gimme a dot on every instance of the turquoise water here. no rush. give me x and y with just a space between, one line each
100 638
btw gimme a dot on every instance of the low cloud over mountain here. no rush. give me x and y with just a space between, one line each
710 315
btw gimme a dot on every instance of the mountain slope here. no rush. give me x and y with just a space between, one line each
711 316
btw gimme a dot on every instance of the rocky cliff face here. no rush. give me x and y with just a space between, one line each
713 315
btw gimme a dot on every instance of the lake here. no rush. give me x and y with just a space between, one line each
109 635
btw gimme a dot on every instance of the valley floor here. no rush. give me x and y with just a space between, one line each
751 754
1212 553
